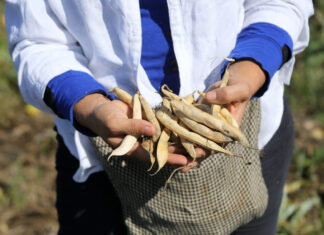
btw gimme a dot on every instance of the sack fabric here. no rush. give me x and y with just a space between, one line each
219 195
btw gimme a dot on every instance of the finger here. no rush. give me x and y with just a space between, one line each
176 149
216 85
114 141
178 160
133 127
225 95
200 152
237 110
189 166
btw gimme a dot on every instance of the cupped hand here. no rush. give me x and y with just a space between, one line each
112 120
245 79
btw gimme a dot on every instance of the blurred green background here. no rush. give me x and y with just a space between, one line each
27 143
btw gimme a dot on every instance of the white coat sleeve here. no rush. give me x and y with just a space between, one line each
290 15
41 48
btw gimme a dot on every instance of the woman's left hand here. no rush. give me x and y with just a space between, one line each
245 79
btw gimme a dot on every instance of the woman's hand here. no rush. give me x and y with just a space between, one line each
112 121
245 79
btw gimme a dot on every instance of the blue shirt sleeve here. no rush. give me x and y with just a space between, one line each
66 89
265 44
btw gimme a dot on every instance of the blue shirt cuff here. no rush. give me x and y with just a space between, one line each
265 44
66 89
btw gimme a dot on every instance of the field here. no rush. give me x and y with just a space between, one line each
27 143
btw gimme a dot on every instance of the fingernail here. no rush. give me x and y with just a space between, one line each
211 96
147 130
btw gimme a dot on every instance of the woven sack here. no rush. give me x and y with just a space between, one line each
216 197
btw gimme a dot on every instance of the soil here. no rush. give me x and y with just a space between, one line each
27 176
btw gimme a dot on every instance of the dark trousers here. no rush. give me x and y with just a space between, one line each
85 208
93 207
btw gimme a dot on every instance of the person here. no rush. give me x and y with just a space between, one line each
68 54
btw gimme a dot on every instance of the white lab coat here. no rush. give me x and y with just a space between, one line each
103 38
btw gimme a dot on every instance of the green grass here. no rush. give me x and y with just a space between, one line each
302 210
306 91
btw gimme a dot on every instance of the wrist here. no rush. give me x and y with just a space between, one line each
250 73
85 107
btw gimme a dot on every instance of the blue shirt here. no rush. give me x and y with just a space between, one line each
158 59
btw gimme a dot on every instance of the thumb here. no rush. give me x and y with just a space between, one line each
228 94
136 127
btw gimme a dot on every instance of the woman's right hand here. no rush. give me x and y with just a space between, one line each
112 121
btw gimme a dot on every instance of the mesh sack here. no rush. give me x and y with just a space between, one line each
216 197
